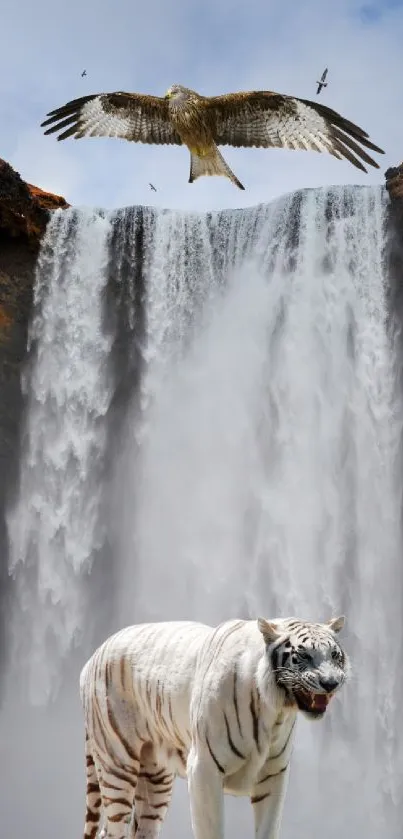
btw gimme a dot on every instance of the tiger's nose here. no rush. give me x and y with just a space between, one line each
328 684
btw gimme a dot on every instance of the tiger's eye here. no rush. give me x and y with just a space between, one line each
305 656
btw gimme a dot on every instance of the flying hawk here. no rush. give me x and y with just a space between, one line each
84 73
322 82
152 187
182 117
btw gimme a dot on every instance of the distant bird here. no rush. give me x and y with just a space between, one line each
152 187
258 118
322 82
84 73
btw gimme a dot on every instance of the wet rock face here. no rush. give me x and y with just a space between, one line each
394 255
394 181
23 207
394 235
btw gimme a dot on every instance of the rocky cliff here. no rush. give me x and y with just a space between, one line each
394 253
394 186
394 181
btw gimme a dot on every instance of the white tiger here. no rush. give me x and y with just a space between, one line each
215 705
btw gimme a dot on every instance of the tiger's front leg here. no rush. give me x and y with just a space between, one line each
268 802
205 785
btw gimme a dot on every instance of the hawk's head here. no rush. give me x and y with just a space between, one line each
177 92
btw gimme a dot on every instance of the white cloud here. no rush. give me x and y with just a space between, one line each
215 47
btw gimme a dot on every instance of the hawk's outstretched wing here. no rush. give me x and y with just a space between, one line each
272 120
132 116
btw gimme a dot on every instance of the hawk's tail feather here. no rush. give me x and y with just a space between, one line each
211 163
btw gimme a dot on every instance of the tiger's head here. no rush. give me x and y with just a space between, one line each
307 661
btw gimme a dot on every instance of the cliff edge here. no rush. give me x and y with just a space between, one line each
394 181
394 186
24 208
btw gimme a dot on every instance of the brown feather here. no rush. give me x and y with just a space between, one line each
265 119
131 116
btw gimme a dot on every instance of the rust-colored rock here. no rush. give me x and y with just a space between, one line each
24 213
47 200
394 181
24 209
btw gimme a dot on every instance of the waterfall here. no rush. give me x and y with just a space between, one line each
55 527
214 421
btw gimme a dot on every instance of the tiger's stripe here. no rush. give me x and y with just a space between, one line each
93 798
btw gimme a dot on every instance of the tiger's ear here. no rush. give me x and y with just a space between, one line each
336 624
269 630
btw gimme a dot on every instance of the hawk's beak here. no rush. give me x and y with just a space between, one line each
167 95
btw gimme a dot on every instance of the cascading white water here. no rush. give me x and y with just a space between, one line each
255 474
55 527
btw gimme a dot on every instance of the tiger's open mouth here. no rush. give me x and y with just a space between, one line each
312 703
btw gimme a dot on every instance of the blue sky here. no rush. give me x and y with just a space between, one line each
215 46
